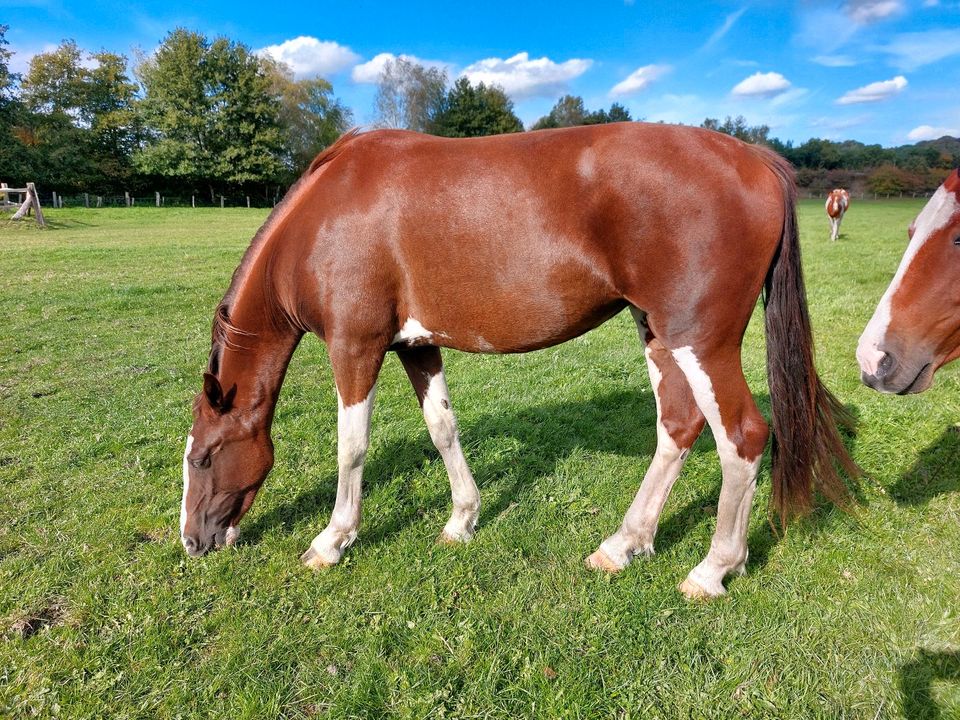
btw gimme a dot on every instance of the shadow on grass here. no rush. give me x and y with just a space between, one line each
916 679
936 471
621 423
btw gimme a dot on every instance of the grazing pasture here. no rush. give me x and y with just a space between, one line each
104 335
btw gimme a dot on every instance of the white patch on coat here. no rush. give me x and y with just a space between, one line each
412 330
186 485
934 217
587 164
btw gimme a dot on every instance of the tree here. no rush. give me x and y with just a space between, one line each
471 111
311 117
409 95
7 78
209 114
79 118
738 128
570 111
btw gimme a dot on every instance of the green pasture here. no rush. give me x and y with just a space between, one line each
104 332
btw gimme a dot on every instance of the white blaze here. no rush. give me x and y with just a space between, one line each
186 485
934 216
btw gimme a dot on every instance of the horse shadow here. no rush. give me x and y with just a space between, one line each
621 423
916 680
935 472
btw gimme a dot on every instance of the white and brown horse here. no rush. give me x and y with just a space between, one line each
399 242
837 203
916 327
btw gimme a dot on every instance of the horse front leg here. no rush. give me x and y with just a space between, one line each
424 366
355 373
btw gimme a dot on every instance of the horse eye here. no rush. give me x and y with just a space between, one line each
956 240
200 463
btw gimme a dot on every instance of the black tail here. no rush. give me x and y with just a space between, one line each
806 444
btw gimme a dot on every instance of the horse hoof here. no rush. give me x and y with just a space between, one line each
312 559
694 592
600 561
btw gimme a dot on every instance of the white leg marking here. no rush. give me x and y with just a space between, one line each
442 424
412 330
934 216
636 533
186 487
353 437
728 549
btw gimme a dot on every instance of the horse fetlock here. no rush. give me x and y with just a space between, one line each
328 547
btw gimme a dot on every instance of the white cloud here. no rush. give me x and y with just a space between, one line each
874 92
309 57
835 60
927 132
370 71
910 51
728 23
521 77
864 12
639 79
762 85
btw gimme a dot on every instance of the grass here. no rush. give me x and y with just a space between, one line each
105 332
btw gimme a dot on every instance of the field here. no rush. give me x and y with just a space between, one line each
104 335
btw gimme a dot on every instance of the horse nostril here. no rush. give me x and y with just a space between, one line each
190 545
885 366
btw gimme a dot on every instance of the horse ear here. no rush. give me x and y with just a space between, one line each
213 391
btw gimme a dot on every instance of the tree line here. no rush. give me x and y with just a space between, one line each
209 117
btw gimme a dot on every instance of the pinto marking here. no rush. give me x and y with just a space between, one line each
186 486
412 332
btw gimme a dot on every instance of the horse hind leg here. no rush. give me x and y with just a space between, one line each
424 366
741 433
355 372
679 423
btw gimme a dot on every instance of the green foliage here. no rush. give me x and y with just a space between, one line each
7 78
409 95
310 116
570 111
738 128
210 113
472 111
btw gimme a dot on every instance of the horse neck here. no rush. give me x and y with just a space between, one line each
257 352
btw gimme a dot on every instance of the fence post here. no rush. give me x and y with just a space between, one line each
158 199
248 202
221 202
32 201
86 200
126 198
193 201
99 201
55 199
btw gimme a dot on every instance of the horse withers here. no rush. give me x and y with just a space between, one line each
399 242
915 329
837 203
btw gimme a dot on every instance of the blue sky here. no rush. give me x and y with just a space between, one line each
880 71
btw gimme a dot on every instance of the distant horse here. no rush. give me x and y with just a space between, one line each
837 203
916 327
399 242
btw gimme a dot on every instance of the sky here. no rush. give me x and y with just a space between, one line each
878 71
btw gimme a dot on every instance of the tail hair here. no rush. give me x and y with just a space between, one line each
807 447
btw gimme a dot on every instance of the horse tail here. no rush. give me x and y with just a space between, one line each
807 447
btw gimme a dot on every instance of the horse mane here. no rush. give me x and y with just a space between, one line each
222 325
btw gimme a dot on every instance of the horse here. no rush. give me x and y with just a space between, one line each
837 203
915 329
396 242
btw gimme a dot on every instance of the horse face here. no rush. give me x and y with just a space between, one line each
916 327
227 458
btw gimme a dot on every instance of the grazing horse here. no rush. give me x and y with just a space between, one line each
837 203
916 327
398 242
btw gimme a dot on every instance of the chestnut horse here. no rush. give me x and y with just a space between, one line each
399 242
837 203
916 327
